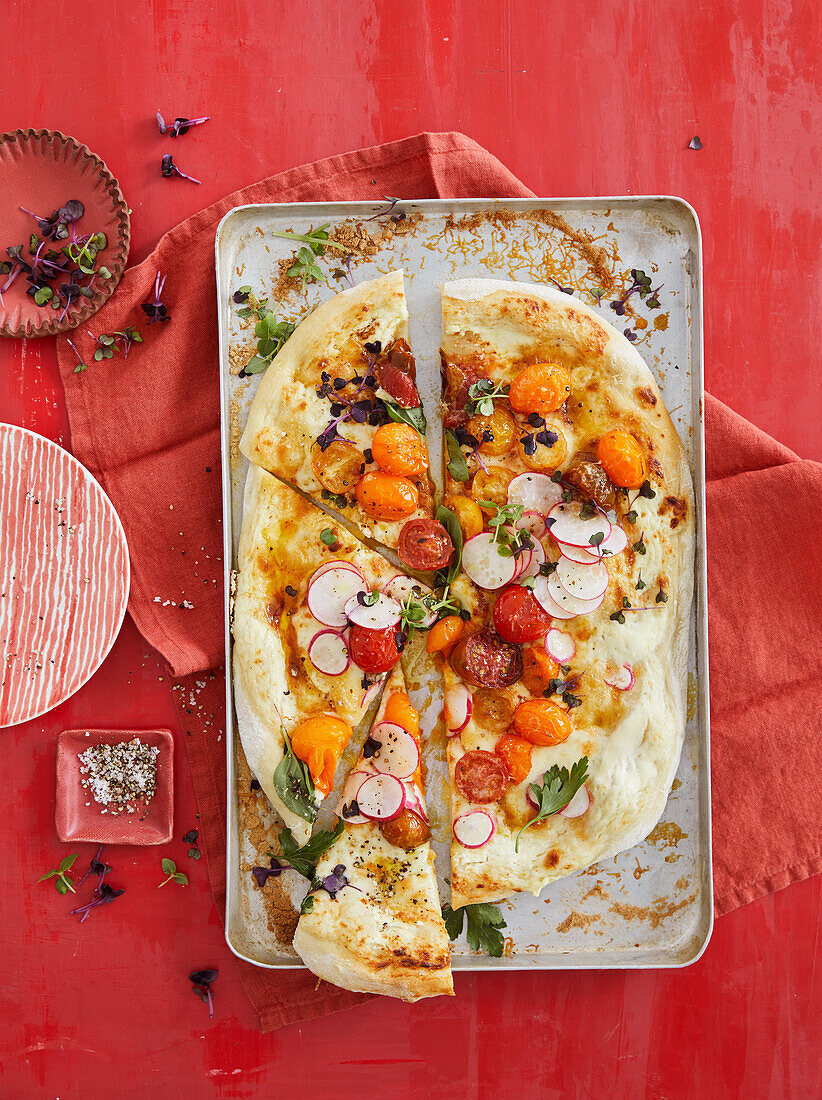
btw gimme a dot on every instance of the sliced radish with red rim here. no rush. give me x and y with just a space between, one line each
569 602
379 615
569 525
622 679
535 560
381 797
414 801
586 582
371 694
400 588
328 653
338 563
560 645
578 804
547 602
616 541
398 753
534 522
579 554
352 784
458 706
474 829
535 492
329 593
484 564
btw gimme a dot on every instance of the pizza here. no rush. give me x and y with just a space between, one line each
318 622
338 416
372 920
565 688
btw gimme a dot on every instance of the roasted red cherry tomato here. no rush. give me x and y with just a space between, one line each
375 650
518 617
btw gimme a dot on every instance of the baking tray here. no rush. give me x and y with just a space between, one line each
651 906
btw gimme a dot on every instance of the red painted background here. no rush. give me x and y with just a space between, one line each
592 97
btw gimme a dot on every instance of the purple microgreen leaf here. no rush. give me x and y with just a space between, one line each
169 168
695 143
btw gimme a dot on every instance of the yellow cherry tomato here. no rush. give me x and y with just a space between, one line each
516 752
338 466
545 458
496 433
386 496
540 388
491 486
399 449
622 458
469 514
319 743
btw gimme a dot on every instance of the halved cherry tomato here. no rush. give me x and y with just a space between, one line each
538 669
444 634
516 752
540 388
386 496
338 467
542 722
319 743
496 433
491 485
399 449
623 459
518 617
400 710
406 831
468 512
373 650
545 458
425 544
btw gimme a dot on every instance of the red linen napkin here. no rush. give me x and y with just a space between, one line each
149 431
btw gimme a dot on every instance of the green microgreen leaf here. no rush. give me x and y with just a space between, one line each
172 874
62 875
481 396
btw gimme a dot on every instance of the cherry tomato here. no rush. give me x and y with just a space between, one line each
516 752
406 831
622 457
399 449
500 426
319 743
373 650
338 467
545 459
469 514
425 544
386 496
395 373
400 710
518 617
486 660
491 486
492 710
542 722
538 669
540 388
445 634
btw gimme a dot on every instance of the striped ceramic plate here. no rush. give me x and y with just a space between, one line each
64 575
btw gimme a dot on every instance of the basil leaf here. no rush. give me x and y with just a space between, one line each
414 417
452 525
293 783
457 467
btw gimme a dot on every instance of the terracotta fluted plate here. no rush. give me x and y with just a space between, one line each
64 575
41 170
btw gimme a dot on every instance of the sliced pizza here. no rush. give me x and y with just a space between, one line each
339 416
565 689
372 921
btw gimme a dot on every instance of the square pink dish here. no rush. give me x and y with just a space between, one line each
78 817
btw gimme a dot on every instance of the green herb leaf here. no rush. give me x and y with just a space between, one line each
457 467
481 396
169 866
304 859
557 789
308 904
631 516
415 417
646 491
294 785
484 924
452 525
328 536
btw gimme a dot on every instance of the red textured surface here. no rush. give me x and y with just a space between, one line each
599 98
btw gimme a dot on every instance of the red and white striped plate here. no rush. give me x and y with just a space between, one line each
64 575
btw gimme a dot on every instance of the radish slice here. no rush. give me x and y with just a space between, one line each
524 561
560 645
414 801
398 753
569 526
328 653
623 679
474 829
578 804
547 602
534 522
569 602
535 492
458 706
586 582
371 694
484 565
339 563
400 588
381 797
616 542
579 554
536 560
329 593
383 613
352 785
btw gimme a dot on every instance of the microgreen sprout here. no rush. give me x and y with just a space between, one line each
169 168
305 269
81 366
109 342
481 396
103 894
695 143
507 516
641 285
317 239
170 869
62 875
391 202
271 334
179 126
154 309
201 983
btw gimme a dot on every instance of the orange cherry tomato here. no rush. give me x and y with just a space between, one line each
400 710
622 458
399 449
540 388
386 496
444 634
538 669
319 743
542 722
516 752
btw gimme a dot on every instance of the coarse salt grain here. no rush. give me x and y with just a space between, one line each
120 775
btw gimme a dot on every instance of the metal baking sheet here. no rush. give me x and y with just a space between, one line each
651 906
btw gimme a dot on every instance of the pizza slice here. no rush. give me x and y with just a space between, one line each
338 416
565 689
318 621
372 921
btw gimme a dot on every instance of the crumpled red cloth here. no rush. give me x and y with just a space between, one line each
149 431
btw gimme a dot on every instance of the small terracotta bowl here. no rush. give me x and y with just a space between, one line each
78 817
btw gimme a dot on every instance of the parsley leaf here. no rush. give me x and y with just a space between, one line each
304 859
484 924
457 467
558 788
